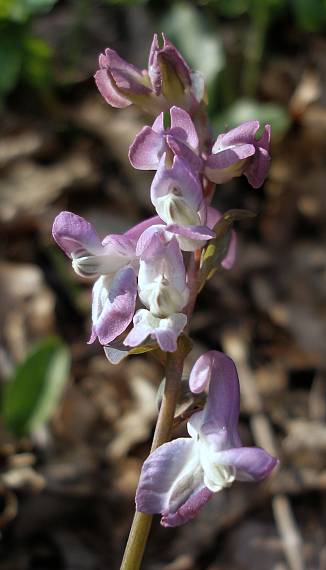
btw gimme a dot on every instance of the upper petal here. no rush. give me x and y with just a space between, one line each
227 157
146 150
178 179
244 133
183 128
217 372
75 235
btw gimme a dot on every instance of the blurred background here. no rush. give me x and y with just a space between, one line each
75 429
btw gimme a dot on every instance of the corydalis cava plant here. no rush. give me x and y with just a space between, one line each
146 280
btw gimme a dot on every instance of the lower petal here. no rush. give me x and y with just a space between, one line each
171 483
119 307
258 168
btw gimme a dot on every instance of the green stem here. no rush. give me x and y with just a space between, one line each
142 523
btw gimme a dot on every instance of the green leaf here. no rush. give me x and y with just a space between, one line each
198 43
216 250
32 394
249 109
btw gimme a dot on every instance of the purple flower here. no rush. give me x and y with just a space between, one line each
180 476
162 283
240 152
162 288
168 80
176 193
152 142
113 261
189 238
121 83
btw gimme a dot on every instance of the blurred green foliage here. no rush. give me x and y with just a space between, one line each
309 15
32 394
22 54
193 26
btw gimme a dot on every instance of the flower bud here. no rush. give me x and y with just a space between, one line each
121 84
171 75
240 152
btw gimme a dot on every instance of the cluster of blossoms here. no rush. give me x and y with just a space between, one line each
143 287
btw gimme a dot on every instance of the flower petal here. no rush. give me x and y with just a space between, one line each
164 330
136 231
75 235
113 305
125 75
217 372
177 179
149 238
244 133
169 330
179 148
154 71
257 170
201 233
171 483
251 463
146 150
183 128
228 157
106 87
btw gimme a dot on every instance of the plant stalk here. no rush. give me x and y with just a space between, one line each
142 522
